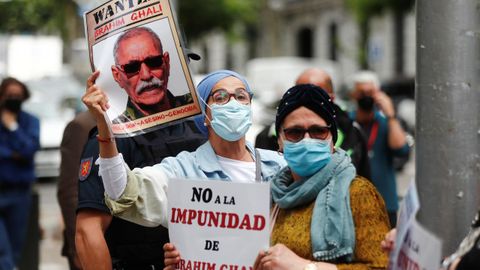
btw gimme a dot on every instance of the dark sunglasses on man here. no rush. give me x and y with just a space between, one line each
133 67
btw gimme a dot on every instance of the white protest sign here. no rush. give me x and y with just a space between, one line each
408 210
218 225
420 250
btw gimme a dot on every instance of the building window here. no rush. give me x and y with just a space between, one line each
333 38
305 42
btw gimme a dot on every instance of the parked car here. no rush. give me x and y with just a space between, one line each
55 101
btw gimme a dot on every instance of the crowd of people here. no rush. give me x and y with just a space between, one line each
333 187
313 162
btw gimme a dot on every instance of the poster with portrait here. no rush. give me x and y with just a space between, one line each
143 69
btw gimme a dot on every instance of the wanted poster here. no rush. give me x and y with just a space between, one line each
143 69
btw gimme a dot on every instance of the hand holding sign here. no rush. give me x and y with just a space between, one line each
279 257
171 256
388 244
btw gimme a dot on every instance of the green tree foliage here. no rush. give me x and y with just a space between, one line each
365 10
200 17
35 16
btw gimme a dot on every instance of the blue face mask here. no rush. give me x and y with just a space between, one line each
231 121
307 156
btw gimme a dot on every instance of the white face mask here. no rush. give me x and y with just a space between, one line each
232 120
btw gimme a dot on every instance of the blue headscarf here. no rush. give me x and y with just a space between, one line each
204 88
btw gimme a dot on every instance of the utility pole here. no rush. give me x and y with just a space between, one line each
448 126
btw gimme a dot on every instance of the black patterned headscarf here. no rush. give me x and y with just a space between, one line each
311 97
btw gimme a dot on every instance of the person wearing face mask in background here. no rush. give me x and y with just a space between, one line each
385 136
225 99
19 140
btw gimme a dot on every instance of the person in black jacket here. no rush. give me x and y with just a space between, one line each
104 241
350 137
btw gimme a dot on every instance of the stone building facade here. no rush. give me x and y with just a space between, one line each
327 30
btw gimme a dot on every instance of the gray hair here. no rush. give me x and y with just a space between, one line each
366 76
134 32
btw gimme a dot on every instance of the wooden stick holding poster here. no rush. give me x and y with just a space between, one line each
218 225
143 70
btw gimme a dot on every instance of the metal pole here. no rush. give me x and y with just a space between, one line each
448 97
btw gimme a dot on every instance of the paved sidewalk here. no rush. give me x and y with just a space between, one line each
406 175
52 225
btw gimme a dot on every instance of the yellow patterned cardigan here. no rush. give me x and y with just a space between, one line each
292 227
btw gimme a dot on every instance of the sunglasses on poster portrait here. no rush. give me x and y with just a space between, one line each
133 67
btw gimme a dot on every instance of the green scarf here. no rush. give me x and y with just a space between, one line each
332 229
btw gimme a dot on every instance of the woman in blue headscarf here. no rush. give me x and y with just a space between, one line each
225 99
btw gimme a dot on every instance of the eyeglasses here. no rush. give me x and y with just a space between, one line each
296 134
133 67
222 96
